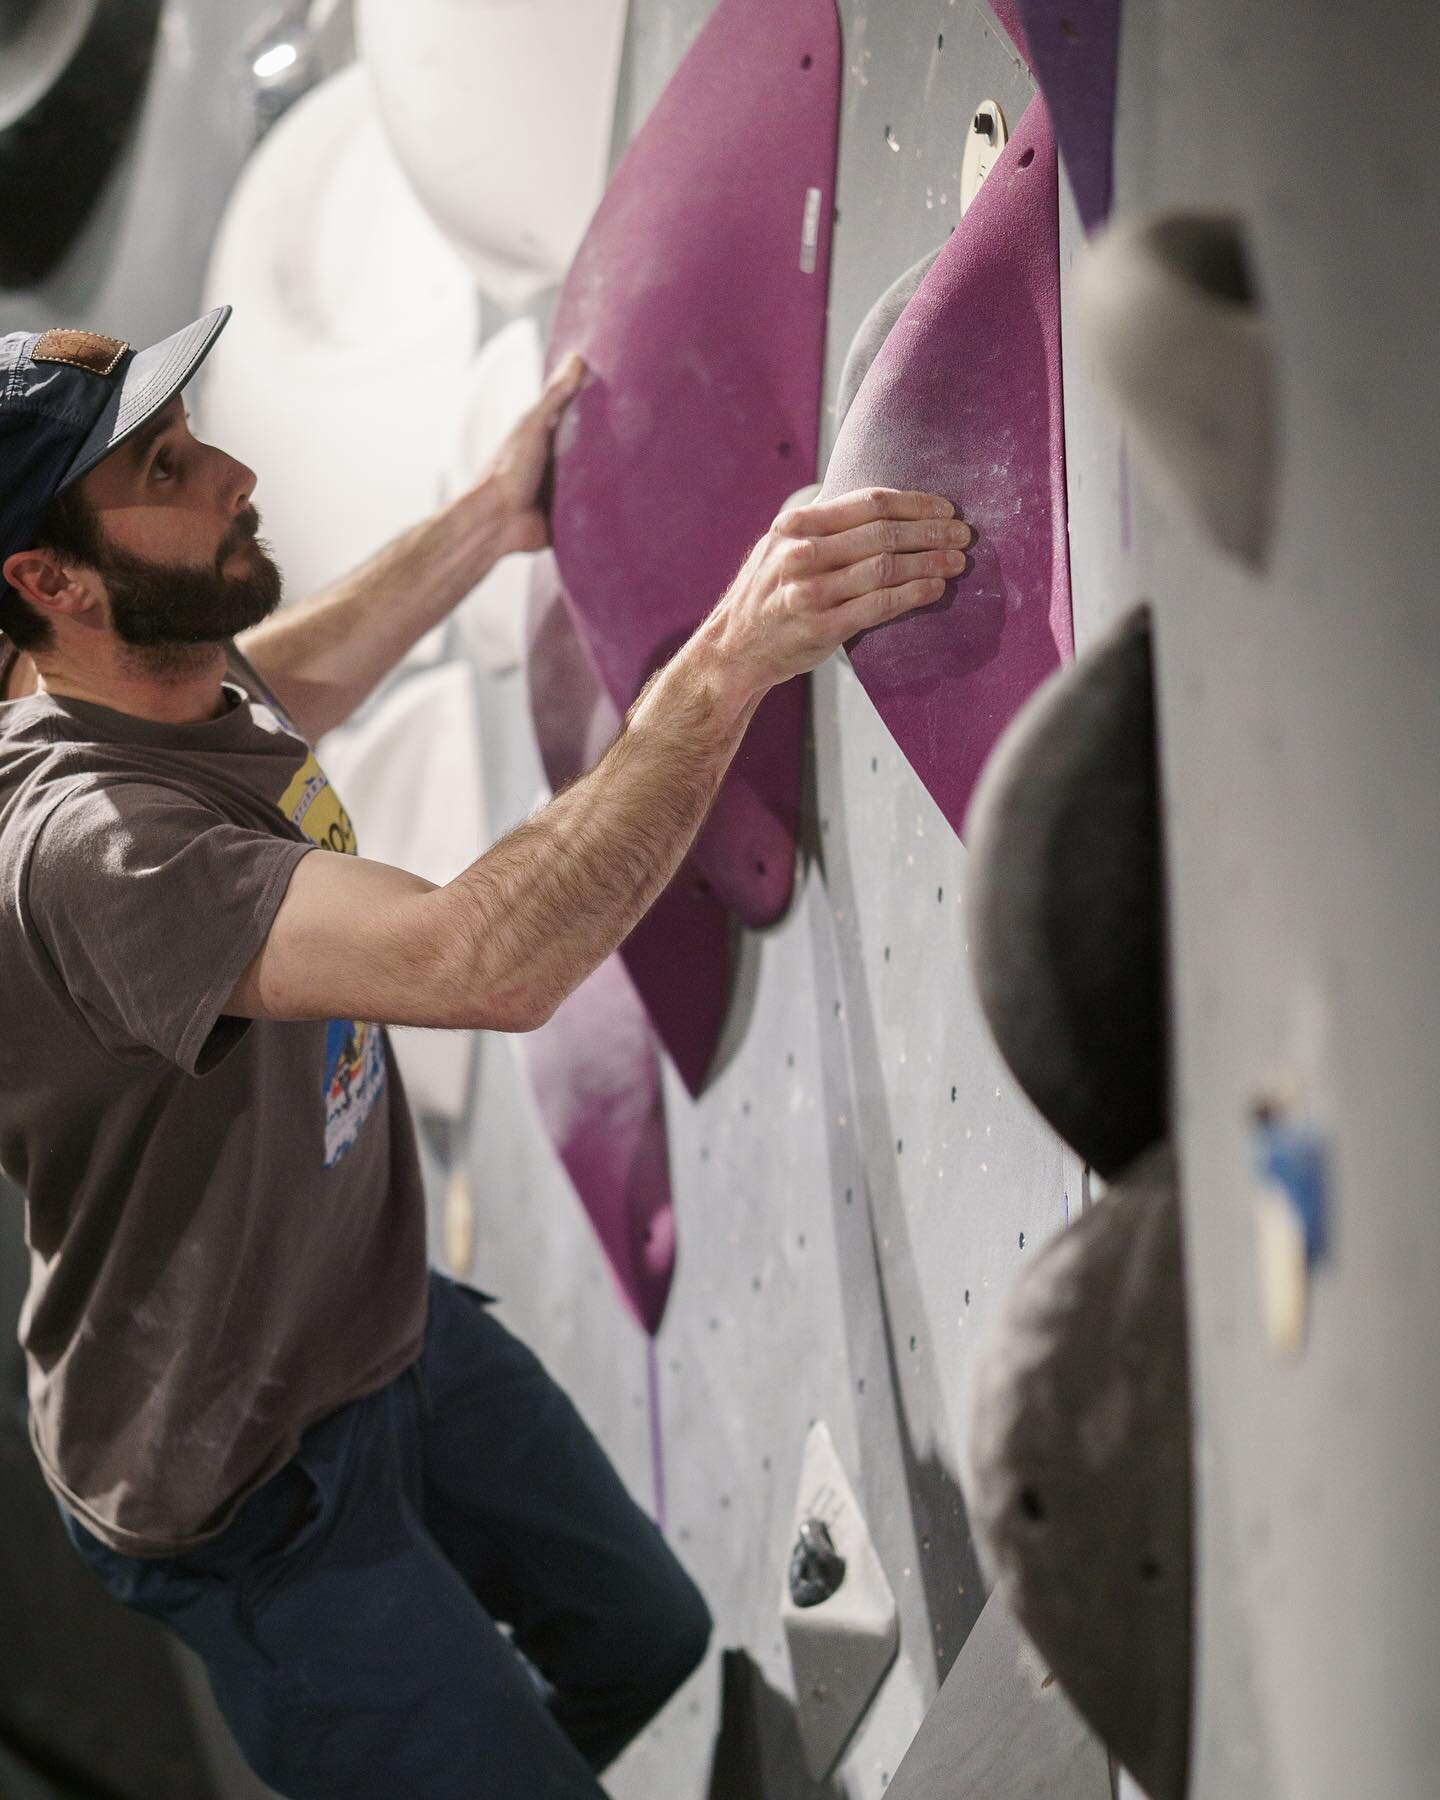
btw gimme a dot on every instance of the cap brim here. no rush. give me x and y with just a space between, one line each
151 381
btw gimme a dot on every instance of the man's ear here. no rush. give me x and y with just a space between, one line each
49 584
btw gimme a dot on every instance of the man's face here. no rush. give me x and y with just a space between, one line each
176 539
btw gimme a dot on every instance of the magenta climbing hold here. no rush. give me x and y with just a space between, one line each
1005 12
698 300
593 1066
680 955
1075 51
596 1078
964 399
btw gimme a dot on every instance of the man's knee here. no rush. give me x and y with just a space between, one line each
689 1626
675 1639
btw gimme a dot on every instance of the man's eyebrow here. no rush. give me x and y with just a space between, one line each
139 445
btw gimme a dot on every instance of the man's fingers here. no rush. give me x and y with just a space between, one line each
823 518
877 606
896 536
562 386
889 570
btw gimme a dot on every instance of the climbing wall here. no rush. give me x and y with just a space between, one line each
1302 758
861 1179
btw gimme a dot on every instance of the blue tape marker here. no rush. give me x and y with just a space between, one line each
1293 1158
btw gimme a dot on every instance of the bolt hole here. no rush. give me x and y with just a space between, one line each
1027 158
1031 1504
808 62
783 451
1068 31
940 45
1149 1569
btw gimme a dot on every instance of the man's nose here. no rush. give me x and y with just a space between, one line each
237 482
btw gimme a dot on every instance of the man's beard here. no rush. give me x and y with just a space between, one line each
165 613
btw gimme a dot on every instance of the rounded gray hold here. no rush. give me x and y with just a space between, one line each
1079 1485
816 1566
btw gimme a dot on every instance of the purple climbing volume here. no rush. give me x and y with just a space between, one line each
964 399
698 299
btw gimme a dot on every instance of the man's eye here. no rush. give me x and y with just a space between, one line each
163 465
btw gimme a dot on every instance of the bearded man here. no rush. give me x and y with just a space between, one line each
406 1563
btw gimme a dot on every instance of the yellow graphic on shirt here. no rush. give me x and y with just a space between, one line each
311 803
354 1050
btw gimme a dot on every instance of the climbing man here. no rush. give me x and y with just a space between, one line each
265 1421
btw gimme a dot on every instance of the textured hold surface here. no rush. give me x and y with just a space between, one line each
1074 51
698 300
1002 1728
680 955
875 327
1008 13
1080 1468
964 399
1066 902
596 1079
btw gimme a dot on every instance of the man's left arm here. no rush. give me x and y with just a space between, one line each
323 657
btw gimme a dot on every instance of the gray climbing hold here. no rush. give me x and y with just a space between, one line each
1171 315
1079 1480
1065 902
875 327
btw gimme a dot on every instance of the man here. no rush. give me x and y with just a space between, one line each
329 1469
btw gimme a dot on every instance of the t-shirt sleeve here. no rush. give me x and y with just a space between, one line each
151 905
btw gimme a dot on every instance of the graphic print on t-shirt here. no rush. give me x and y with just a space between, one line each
354 1051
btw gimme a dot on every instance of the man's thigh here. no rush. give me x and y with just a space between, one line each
529 1509
350 1659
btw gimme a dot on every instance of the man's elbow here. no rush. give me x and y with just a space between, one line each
515 1010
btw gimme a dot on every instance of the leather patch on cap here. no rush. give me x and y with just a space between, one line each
81 349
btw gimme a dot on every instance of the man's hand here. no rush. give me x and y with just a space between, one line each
825 571
502 944
517 469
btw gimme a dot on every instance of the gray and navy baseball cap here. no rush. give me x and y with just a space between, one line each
68 398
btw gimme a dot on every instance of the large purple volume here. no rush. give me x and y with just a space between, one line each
964 399
593 1065
596 1078
680 954
698 299
1074 51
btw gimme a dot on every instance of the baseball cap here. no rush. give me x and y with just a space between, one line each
68 398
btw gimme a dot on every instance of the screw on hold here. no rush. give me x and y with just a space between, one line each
816 1567
984 123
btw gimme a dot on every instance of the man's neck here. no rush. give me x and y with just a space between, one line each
180 687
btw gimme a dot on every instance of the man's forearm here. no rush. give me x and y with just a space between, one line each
551 901
322 657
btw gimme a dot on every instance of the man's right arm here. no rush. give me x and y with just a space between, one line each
501 946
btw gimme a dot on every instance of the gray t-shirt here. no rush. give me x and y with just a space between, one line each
225 1217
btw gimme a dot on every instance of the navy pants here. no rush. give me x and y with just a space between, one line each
350 1615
